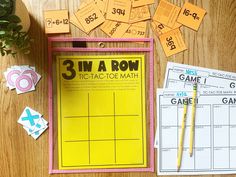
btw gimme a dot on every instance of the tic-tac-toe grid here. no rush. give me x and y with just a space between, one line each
98 139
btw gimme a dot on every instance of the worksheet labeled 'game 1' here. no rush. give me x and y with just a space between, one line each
183 76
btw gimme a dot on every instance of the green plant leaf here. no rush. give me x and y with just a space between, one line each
18 28
14 19
3 21
9 43
2 12
11 26
6 6
2 32
11 36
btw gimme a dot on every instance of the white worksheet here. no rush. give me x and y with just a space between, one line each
215 129
182 76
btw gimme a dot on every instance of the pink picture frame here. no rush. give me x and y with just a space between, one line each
149 49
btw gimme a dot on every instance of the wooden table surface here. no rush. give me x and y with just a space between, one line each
213 46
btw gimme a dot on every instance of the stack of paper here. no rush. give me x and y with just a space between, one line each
22 78
33 122
214 150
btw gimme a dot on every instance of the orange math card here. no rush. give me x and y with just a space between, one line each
191 16
172 42
75 22
139 14
159 28
101 5
119 10
56 21
114 29
137 3
166 13
136 30
90 16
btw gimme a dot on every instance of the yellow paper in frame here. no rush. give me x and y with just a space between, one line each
101 111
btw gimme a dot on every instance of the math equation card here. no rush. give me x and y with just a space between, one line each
56 21
101 111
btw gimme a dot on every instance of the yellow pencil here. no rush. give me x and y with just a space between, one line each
180 149
192 127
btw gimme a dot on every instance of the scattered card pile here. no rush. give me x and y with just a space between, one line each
167 20
116 18
33 122
22 78
128 19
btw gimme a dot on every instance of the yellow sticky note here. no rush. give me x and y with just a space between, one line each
118 10
159 28
56 21
90 16
172 42
166 13
136 30
139 14
136 3
114 29
76 23
191 16
101 125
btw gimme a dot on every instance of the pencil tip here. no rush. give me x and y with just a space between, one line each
191 154
178 169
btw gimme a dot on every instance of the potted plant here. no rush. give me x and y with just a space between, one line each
14 25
